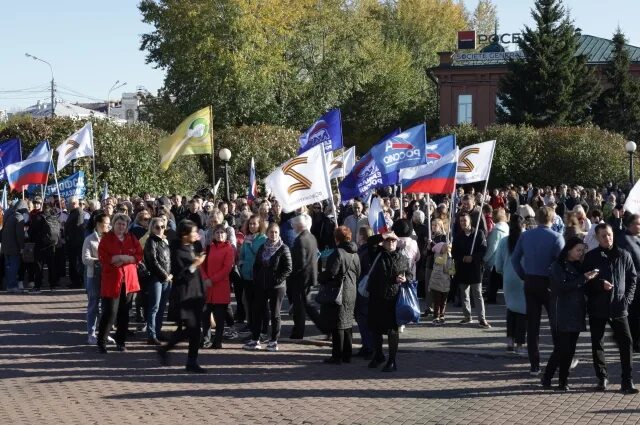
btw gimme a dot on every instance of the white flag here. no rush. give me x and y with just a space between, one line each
474 162
78 145
342 164
632 204
301 181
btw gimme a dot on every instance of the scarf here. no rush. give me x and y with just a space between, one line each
270 248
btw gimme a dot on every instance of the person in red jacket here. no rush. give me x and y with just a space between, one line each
119 252
215 273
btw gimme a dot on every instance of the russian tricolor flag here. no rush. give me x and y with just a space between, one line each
33 170
376 217
253 188
438 177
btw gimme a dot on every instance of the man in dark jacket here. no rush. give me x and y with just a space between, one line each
468 206
468 251
304 274
44 231
630 241
607 299
74 230
12 244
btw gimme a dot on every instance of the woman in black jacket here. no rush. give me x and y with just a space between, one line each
389 269
157 259
270 271
185 264
567 309
343 269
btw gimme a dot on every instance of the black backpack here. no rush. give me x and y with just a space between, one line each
50 231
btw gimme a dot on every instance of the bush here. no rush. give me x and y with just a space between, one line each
586 156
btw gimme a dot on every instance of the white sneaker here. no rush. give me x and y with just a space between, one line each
252 346
110 340
401 328
272 346
92 340
574 363
20 286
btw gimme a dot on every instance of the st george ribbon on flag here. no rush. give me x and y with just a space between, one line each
78 145
341 165
474 162
436 177
301 181
327 130
632 204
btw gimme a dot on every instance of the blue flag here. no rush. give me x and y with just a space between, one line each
407 149
366 175
327 130
438 148
10 153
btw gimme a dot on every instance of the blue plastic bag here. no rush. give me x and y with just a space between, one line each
407 306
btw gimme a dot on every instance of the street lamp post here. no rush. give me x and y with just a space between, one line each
225 156
52 81
630 147
113 87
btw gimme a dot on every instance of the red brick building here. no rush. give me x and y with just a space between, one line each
468 82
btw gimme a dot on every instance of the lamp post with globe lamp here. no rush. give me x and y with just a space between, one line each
630 147
225 155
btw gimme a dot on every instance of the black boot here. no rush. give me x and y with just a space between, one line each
627 387
390 366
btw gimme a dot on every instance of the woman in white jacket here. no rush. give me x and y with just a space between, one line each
92 273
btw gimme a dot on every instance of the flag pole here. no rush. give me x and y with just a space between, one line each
95 177
213 151
428 216
481 216
401 202
328 183
55 178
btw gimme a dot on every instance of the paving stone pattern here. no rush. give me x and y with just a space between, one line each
447 375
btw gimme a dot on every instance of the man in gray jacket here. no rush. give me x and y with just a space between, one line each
13 244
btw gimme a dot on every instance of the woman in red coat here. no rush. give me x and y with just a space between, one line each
119 253
215 273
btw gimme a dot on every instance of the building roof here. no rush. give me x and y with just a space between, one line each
64 109
598 51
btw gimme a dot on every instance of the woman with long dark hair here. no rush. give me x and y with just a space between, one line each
185 265
513 286
568 309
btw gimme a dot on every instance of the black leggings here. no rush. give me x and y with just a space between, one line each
563 350
342 341
274 296
219 314
115 310
393 338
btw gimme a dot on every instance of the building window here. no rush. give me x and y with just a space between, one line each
465 105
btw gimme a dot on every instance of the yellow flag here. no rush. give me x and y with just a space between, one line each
192 137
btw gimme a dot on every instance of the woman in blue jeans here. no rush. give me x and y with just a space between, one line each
92 272
157 259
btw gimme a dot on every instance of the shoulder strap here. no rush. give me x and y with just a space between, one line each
374 263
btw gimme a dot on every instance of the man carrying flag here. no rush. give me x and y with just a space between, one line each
192 137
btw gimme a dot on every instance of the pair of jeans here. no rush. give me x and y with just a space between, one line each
536 293
11 267
362 318
342 343
157 297
249 296
564 347
516 326
46 256
476 293
92 286
219 315
274 296
621 334
115 310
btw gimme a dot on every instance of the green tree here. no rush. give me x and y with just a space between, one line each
551 85
618 108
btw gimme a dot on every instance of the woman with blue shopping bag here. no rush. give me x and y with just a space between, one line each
390 270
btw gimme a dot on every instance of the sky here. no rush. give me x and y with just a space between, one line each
92 44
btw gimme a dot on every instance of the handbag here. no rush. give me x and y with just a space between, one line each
329 295
234 275
29 252
363 285
407 305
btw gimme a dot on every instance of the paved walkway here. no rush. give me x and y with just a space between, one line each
447 375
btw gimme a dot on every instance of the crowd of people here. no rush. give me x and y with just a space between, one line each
571 250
